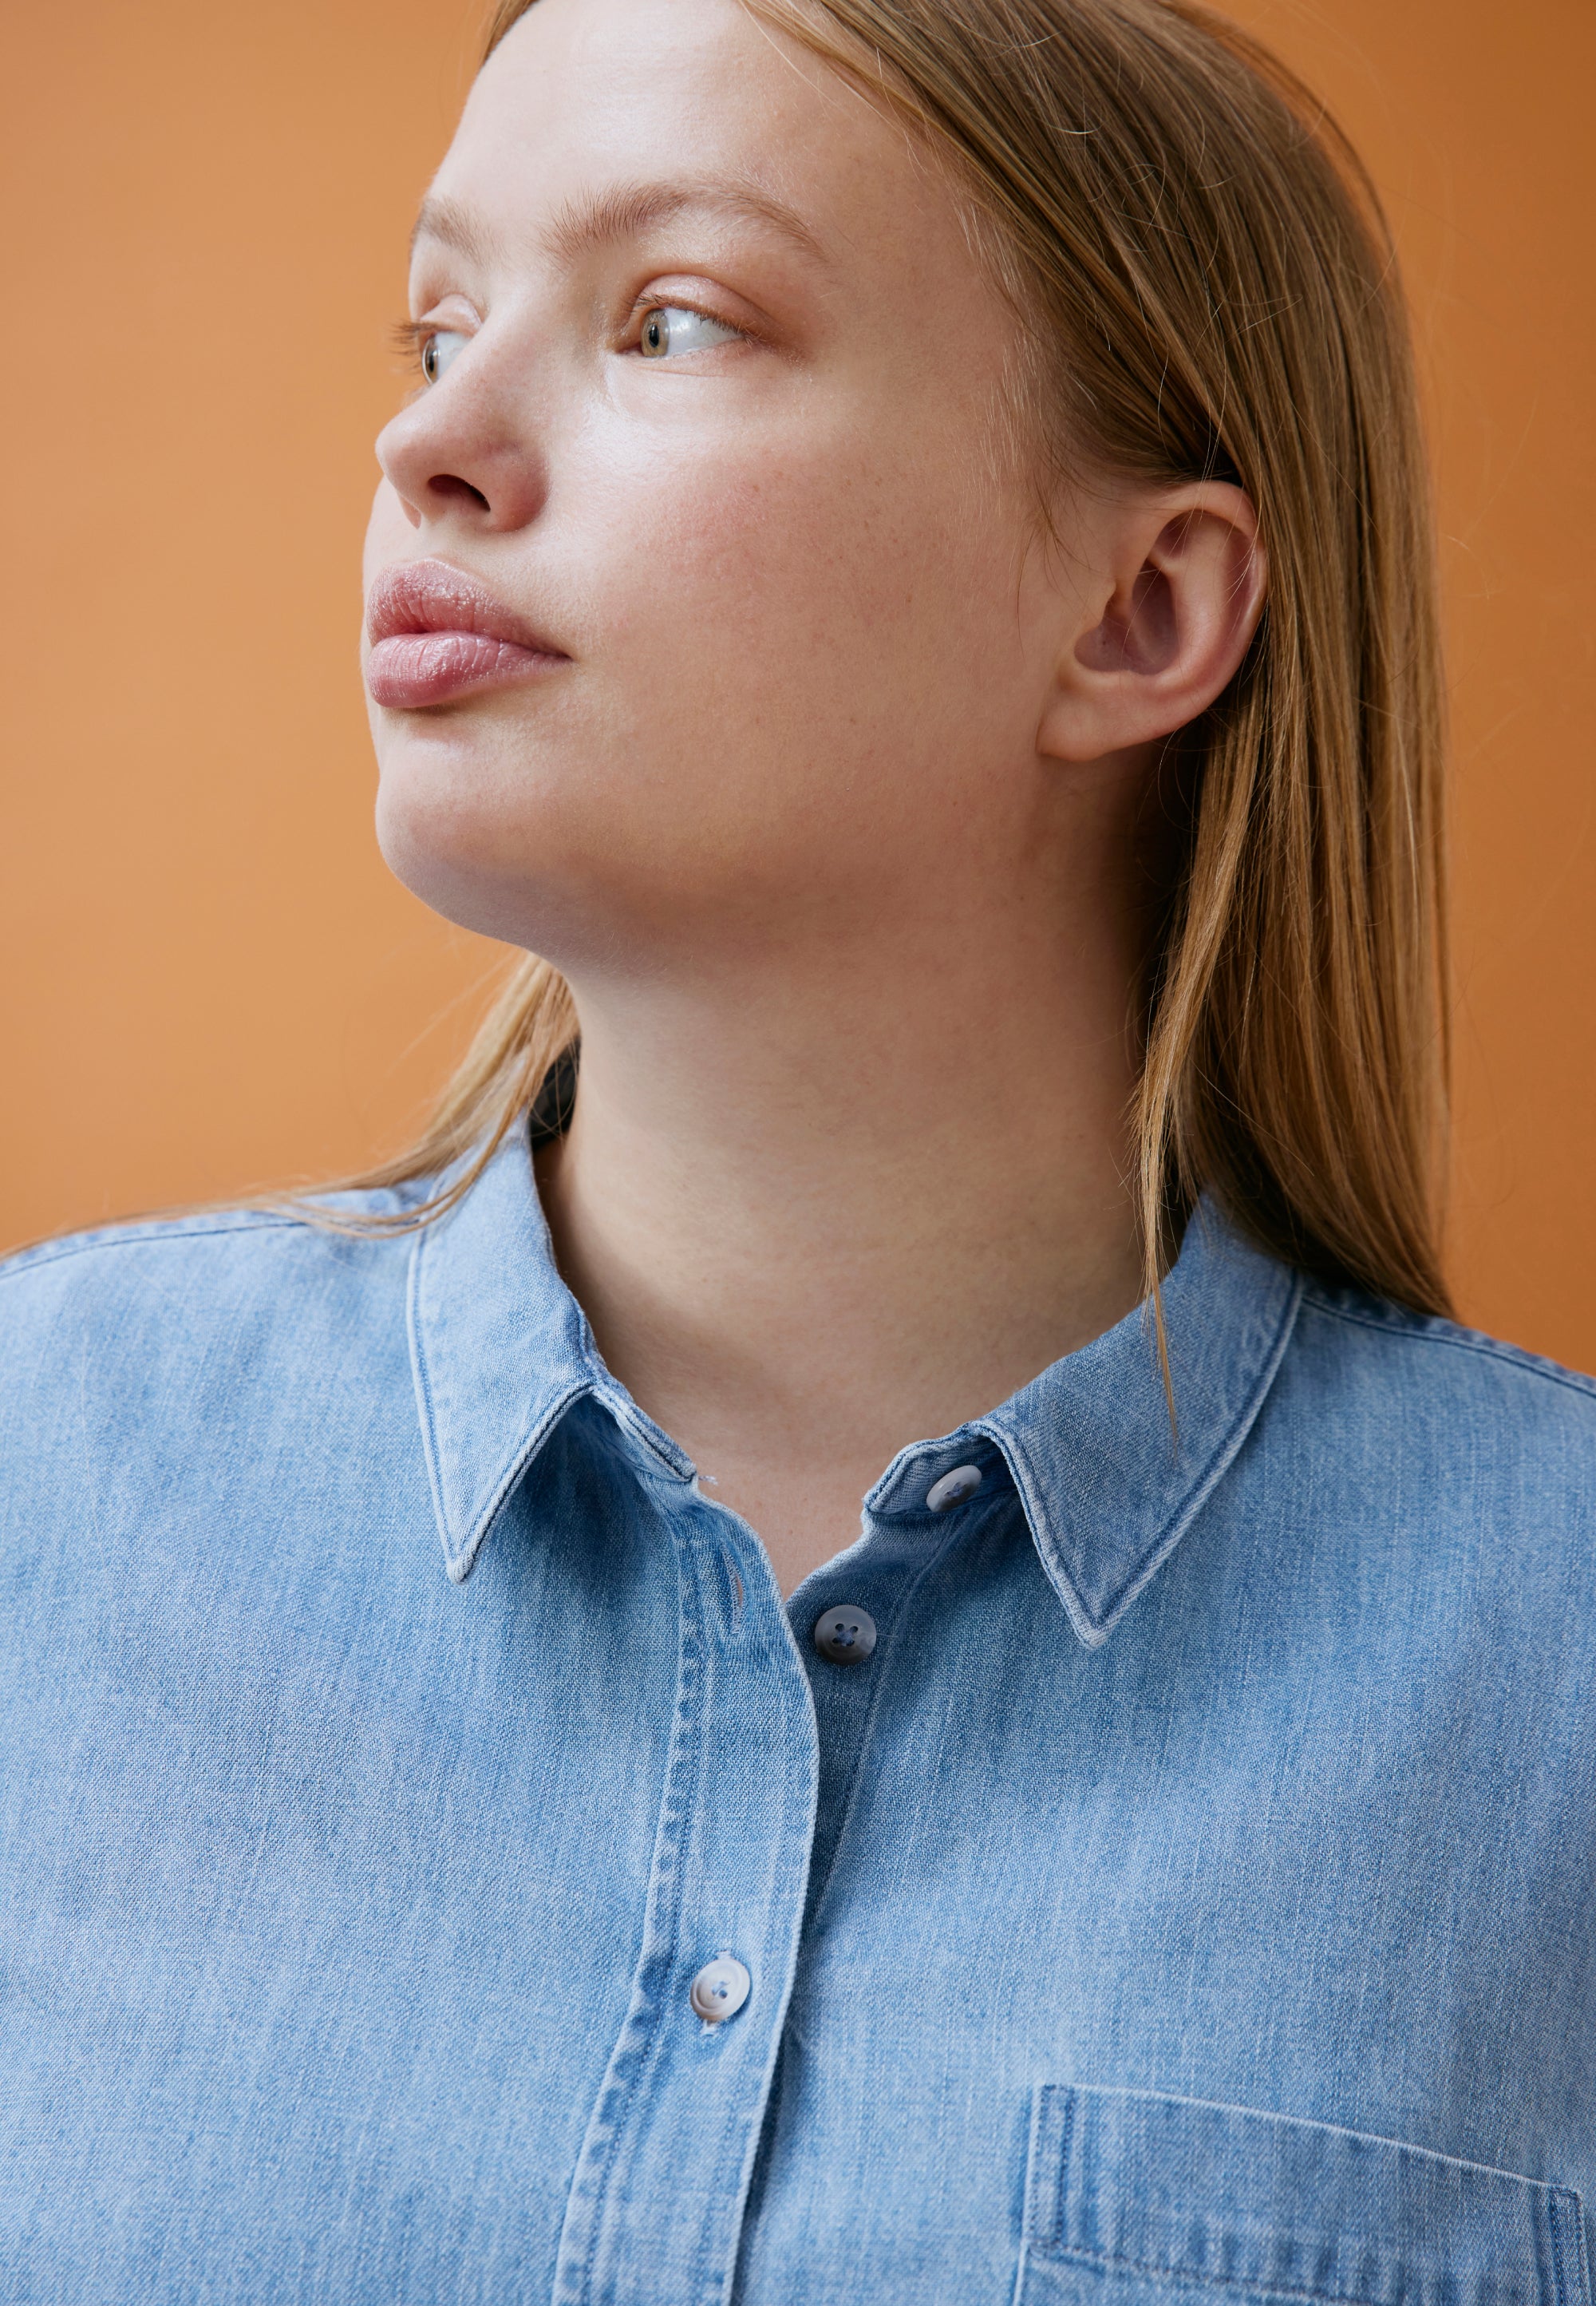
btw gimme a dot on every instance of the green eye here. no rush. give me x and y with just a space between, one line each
439 350
673 329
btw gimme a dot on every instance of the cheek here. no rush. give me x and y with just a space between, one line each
802 556
834 620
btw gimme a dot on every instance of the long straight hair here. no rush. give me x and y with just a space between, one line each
1207 288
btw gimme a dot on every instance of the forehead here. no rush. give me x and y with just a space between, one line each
585 100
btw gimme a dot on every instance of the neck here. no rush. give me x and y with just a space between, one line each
816 1212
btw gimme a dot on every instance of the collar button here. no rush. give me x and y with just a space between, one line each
953 1489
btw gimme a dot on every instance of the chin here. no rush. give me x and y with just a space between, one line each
456 864
564 849
547 879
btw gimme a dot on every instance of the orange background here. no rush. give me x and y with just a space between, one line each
210 979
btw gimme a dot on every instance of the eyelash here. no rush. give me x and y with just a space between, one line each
656 303
408 338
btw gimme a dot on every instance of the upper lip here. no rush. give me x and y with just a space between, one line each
429 596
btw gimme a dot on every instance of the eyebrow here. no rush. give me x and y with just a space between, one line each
452 223
624 212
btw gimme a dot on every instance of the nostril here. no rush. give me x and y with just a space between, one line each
451 484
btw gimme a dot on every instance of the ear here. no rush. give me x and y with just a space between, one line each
1159 626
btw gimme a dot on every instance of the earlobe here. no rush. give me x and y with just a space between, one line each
1166 628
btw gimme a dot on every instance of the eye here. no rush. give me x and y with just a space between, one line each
671 330
437 350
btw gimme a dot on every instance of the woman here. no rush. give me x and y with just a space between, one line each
905 580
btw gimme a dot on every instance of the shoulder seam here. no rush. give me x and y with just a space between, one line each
1462 1341
28 1260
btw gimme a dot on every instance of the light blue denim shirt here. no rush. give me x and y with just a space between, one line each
1190 1899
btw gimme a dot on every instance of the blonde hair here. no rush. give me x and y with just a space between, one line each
1207 288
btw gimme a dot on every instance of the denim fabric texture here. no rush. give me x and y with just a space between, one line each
1191 1899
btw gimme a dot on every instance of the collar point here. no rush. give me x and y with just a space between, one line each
461 1560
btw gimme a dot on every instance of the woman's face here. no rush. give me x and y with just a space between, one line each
711 470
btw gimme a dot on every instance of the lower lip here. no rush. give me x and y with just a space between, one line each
413 669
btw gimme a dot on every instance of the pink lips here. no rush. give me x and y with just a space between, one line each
436 635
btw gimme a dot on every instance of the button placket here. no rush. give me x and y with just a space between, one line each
679 2111
900 1548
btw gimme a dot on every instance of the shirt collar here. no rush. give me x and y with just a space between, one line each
500 1350
1109 1485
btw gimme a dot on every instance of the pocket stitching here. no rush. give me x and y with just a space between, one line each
1567 2250
1169 2279
1060 2180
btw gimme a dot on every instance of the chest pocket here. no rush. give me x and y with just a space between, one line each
1134 2201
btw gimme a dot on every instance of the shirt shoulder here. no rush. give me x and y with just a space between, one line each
173 1307
1446 1358
268 1244
1498 1437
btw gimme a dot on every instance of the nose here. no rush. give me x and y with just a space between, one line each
468 452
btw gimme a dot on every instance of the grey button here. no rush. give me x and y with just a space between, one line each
953 1488
847 1637
720 1989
